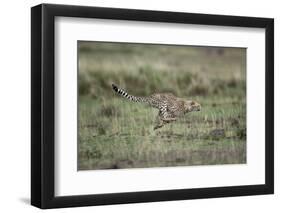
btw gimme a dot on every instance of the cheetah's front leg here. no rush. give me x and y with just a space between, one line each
168 120
162 122
159 124
164 117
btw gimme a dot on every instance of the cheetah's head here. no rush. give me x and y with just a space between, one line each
191 106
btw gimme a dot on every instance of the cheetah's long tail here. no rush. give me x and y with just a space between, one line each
126 95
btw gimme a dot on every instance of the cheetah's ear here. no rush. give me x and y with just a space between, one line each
192 103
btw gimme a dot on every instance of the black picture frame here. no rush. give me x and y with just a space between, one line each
43 102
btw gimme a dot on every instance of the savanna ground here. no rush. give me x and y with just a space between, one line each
115 133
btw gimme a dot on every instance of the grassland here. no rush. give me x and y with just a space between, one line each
115 133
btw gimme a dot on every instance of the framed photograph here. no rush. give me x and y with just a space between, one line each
139 106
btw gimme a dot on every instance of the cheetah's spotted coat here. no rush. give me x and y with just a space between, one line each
170 107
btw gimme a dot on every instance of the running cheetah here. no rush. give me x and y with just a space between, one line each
170 107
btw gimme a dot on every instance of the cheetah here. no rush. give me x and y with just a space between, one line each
170 107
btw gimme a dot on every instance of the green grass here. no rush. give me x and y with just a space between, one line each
115 133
